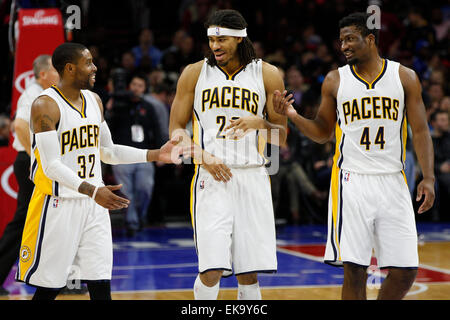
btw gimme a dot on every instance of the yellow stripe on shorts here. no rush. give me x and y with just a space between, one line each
32 235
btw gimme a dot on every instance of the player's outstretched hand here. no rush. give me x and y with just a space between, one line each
107 199
425 187
282 104
171 152
241 126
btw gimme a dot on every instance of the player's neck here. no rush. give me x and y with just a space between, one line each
232 66
69 91
370 67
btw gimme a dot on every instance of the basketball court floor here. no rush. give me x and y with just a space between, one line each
161 264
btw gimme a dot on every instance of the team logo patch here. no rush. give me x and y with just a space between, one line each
25 254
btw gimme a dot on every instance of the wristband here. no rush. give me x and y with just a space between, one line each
94 193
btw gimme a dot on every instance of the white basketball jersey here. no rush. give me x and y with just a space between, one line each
371 125
221 97
78 133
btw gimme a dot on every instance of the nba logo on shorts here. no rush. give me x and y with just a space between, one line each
347 176
55 203
202 184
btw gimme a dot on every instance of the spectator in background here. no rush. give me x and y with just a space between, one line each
299 187
169 59
185 54
295 85
436 94
441 142
156 77
158 97
146 52
419 30
391 33
441 26
445 104
259 49
128 62
136 125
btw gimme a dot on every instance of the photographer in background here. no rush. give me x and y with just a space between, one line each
133 122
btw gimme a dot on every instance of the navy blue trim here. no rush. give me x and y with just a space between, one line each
201 129
383 71
35 286
194 208
234 75
341 147
257 271
381 74
332 237
355 264
393 267
56 191
214 269
340 264
224 72
85 104
401 140
68 103
41 237
340 206
228 77
33 144
33 168
334 263
358 78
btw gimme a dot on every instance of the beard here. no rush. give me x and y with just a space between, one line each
352 61
85 84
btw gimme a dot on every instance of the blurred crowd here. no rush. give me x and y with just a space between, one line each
154 42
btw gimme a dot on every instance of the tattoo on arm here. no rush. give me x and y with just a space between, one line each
86 188
45 123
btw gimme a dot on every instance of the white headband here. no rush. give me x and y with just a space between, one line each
219 31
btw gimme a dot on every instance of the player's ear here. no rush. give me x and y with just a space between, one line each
69 68
371 40
239 39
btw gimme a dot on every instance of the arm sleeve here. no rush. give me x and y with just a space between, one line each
118 154
49 150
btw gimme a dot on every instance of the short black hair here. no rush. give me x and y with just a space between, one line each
142 76
434 115
68 52
359 20
232 19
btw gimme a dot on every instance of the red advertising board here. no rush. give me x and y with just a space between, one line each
39 31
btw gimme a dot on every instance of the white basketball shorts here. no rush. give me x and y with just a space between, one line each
234 227
371 212
64 239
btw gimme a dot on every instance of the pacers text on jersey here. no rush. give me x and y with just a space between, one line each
230 97
370 108
78 138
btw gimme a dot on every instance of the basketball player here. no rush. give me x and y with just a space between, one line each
369 102
67 232
228 95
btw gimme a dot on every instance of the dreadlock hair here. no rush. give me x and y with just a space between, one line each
231 19
359 20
